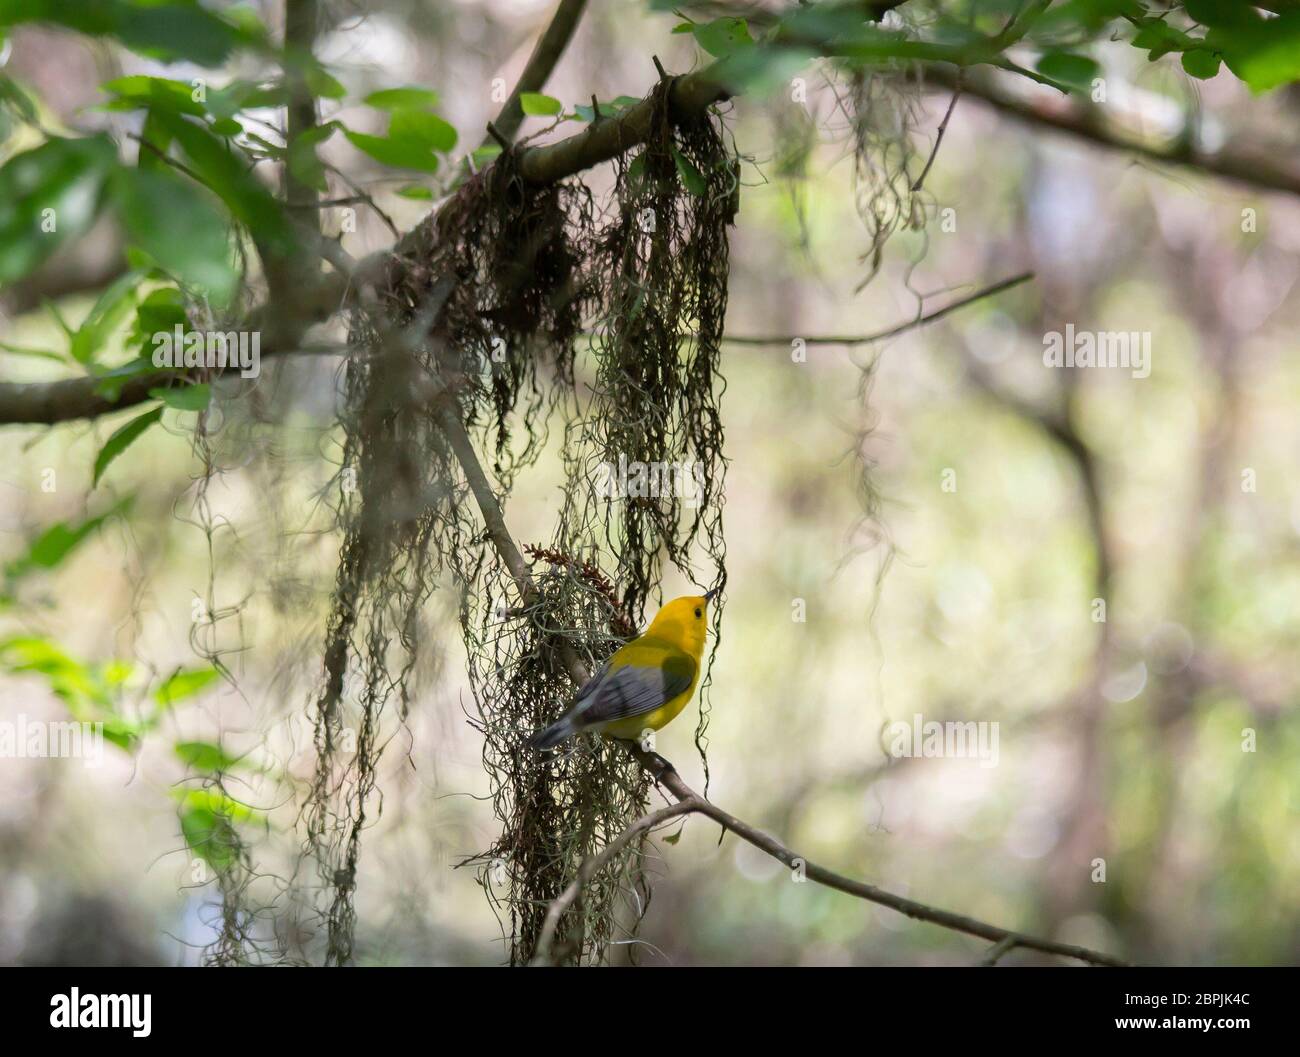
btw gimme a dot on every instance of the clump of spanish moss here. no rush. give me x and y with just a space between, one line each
511 257
554 813
234 919
207 813
885 112
658 346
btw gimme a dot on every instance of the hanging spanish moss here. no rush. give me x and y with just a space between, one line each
654 420
208 812
462 312
553 812
886 110
643 487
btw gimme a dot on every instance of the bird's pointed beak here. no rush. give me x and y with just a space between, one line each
709 596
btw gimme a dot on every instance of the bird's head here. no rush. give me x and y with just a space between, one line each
685 621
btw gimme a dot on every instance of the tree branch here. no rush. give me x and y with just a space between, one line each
687 801
688 99
1268 170
667 776
550 46
47 403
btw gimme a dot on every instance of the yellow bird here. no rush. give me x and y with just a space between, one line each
645 684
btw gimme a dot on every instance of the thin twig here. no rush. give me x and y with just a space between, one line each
938 139
891 332
998 950
670 780
592 865
167 159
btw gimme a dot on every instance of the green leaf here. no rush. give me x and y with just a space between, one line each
122 732
17 98
83 689
422 128
178 31
157 136
267 148
762 71
415 191
1068 68
184 683
27 653
53 546
246 95
723 36
169 31
47 196
323 83
1220 12
1201 63
205 756
160 93
161 311
402 99
611 109
534 104
218 803
58 541
179 226
1265 53
122 439
227 126
185 397
398 154
1159 38
210 836
1073 18
692 179
225 169
108 384
305 166
107 314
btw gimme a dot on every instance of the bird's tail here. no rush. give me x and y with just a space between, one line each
549 737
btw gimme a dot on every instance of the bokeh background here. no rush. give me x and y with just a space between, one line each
944 507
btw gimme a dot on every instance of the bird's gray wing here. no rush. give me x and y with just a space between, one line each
635 690
589 687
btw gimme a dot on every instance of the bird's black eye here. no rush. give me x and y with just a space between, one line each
698 612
